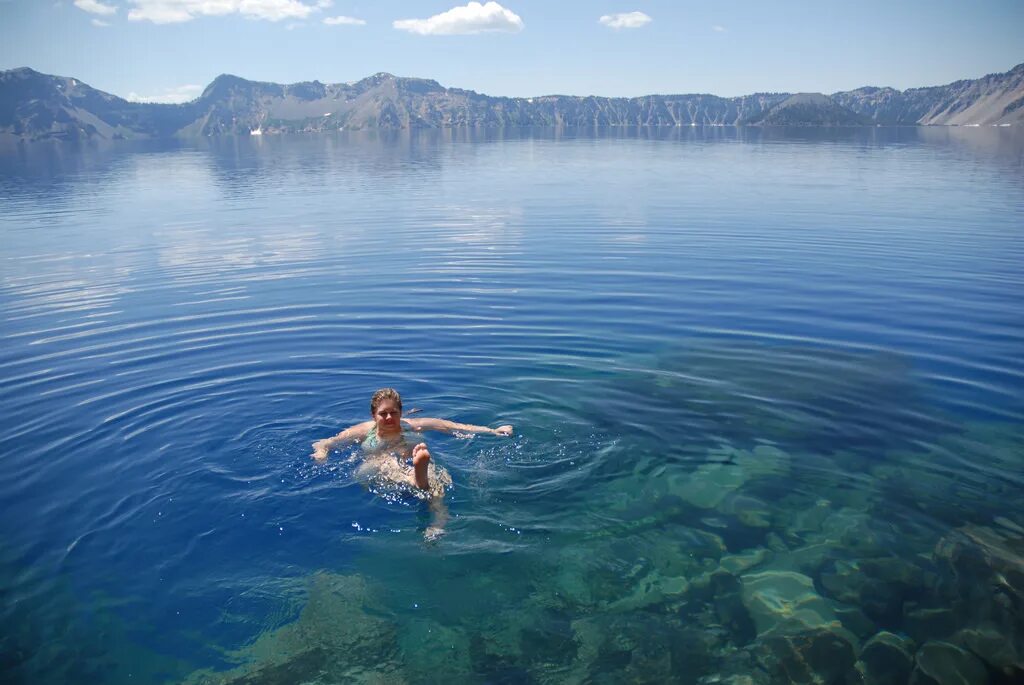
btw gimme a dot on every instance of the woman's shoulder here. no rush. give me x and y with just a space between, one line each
361 430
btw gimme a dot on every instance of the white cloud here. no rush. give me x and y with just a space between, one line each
343 21
169 95
176 11
473 18
718 29
100 23
625 20
95 7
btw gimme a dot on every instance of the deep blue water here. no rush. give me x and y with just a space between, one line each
738 362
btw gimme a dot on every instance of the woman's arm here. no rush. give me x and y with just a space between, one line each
447 426
352 434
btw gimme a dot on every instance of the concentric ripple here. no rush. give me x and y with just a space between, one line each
710 342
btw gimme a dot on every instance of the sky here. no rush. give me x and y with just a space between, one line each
169 50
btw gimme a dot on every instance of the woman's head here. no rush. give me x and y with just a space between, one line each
382 395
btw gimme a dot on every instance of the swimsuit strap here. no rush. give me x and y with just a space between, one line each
373 441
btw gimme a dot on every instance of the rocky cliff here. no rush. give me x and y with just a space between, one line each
993 99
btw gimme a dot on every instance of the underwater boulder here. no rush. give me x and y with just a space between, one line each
894 570
737 667
807 559
855 531
807 519
726 470
856 621
814 657
727 602
693 650
633 648
747 510
785 602
942 663
994 646
886 659
978 554
429 648
338 637
743 561
651 590
852 582
925 621
763 460
709 484
983 579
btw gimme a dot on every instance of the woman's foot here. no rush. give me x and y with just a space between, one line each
420 460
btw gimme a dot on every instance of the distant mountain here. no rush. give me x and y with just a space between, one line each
37 106
993 99
809 109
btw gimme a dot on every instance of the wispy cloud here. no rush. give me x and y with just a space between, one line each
95 7
718 29
177 11
625 20
169 96
472 18
343 21
100 23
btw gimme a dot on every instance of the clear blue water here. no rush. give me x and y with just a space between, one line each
750 371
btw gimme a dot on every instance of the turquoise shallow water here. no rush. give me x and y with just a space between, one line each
767 390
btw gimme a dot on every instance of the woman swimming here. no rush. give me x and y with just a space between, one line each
388 434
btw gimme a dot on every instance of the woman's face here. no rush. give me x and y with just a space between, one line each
388 416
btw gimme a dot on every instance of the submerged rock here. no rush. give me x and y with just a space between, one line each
810 519
632 648
652 589
856 621
335 639
942 663
738 563
749 511
727 470
923 622
763 460
430 648
886 659
785 603
984 580
979 553
709 484
727 600
632 571
875 585
854 531
814 657
995 647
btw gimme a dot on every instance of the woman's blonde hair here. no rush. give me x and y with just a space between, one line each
385 394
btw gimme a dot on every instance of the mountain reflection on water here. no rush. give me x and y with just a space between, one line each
766 387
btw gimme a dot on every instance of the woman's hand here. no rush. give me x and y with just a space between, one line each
321 448
503 430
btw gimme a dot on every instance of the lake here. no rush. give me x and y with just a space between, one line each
767 389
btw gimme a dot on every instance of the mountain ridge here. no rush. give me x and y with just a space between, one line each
37 106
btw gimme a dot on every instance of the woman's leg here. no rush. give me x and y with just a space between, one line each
420 461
